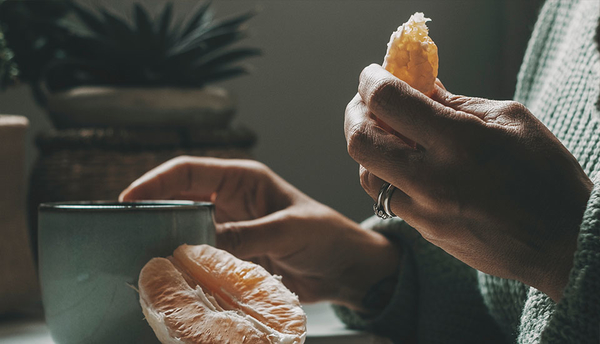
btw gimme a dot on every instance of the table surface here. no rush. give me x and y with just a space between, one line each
323 328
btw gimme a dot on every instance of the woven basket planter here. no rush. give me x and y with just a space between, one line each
97 164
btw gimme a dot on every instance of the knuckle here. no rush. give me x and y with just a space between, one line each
250 166
180 160
503 115
514 107
381 92
252 172
180 164
255 166
511 111
356 138
366 72
367 182
350 106
454 100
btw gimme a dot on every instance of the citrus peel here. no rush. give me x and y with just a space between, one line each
205 295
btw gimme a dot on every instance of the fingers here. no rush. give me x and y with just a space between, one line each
370 182
175 177
401 204
439 83
379 151
162 182
197 177
405 109
253 238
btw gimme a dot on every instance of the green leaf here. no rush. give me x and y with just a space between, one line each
71 27
172 36
206 43
201 16
117 28
165 20
90 47
93 22
232 23
142 21
147 44
149 51
204 32
225 57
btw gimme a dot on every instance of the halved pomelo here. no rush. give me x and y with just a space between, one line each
204 295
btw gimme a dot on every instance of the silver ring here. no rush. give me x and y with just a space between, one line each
387 196
382 207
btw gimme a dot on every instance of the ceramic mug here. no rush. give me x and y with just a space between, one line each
90 257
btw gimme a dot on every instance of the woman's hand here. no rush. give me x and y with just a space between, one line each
321 254
486 181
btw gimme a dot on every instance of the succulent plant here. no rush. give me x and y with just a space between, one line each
107 50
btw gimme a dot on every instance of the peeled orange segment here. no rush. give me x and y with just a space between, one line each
412 56
245 285
204 295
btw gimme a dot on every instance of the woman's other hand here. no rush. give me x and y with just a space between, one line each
485 181
321 254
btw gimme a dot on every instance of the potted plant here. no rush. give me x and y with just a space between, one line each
148 73
124 96
92 68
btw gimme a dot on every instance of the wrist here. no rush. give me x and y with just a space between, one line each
557 263
379 295
553 261
372 279
555 277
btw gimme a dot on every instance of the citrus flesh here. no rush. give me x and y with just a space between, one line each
204 295
412 55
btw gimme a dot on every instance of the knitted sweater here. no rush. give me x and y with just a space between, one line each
438 299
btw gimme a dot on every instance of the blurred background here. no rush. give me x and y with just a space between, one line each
312 54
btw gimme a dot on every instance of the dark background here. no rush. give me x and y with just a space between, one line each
313 54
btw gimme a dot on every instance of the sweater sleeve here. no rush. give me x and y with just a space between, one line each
576 317
436 299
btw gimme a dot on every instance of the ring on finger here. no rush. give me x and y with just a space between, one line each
382 206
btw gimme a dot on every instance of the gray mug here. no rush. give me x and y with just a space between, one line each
90 257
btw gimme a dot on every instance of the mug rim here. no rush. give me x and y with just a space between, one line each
107 205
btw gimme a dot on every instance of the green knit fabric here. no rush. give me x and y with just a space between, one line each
438 299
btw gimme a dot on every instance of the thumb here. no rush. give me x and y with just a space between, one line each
439 83
252 238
